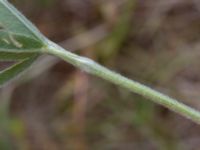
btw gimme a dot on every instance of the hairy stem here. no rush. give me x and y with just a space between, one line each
92 67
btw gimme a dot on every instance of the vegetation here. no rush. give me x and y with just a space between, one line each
23 43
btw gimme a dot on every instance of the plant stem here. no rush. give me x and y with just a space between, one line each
92 67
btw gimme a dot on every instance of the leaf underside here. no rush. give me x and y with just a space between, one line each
19 41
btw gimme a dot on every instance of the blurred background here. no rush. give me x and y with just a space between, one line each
54 106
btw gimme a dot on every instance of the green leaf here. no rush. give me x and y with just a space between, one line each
10 56
16 32
14 70
19 41
11 20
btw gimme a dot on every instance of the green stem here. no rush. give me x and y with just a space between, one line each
92 67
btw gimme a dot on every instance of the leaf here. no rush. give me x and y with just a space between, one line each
16 32
14 70
12 42
10 56
19 41
13 21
